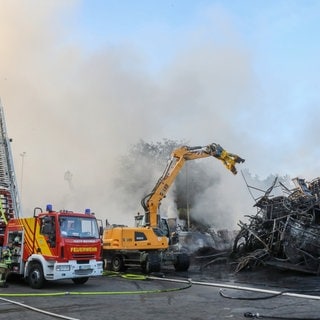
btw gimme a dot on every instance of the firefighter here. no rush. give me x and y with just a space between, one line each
4 266
3 275
7 254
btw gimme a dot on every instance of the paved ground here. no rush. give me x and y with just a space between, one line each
115 297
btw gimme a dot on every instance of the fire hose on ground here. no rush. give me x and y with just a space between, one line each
91 293
271 294
188 283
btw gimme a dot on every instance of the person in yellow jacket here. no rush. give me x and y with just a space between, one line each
6 256
4 266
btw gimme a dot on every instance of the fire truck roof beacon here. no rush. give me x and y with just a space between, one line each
87 211
49 207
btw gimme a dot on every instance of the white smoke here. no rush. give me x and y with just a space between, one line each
77 110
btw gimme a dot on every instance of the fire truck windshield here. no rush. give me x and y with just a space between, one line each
78 227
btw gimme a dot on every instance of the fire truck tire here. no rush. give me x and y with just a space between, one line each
117 263
36 278
182 263
80 280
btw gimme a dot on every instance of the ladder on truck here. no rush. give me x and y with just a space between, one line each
9 195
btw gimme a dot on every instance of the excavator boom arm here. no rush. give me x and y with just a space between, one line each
178 158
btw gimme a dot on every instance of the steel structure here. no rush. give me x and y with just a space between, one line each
9 196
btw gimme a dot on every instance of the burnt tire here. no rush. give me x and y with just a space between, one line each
36 278
117 263
182 262
81 280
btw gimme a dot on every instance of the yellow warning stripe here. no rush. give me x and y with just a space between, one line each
31 227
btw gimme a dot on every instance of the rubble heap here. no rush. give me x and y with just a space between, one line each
285 232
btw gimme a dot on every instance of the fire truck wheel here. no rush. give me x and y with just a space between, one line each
36 278
80 280
117 263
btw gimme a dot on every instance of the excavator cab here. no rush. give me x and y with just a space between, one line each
163 225
139 220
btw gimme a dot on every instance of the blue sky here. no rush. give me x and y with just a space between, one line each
105 74
279 32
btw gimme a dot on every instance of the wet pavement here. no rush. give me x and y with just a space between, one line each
215 293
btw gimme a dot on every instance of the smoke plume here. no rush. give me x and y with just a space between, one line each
75 111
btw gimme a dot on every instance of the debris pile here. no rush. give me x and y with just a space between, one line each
285 232
203 242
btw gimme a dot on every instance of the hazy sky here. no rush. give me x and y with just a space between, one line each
81 81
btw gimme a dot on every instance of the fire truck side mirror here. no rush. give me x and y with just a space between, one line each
35 211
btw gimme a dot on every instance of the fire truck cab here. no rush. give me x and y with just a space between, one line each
53 246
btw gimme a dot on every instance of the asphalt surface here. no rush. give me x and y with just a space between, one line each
211 294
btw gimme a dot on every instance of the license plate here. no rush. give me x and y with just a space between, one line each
84 267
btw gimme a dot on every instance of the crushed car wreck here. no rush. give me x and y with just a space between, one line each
285 232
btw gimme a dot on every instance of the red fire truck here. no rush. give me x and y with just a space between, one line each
53 246
48 246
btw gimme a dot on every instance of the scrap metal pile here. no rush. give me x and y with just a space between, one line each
285 232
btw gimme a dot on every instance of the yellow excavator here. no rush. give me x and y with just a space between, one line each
148 243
